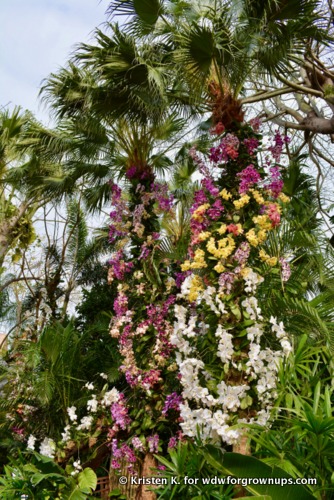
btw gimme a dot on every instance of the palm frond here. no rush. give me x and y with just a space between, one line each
144 13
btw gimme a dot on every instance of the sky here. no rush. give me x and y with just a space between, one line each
36 38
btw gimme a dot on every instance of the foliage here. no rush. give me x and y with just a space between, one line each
46 377
307 296
17 203
39 477
206 471
301 439
188 461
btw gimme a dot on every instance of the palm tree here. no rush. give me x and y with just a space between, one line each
218 47
113 113
115 116
123 96
17 203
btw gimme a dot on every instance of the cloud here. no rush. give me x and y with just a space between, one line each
37 37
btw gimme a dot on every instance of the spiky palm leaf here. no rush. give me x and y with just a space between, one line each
225 41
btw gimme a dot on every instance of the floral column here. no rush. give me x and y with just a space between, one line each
227 349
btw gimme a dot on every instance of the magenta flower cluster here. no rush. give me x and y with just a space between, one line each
275 184
209 184
172 402
197 159
131 172
124 222
120 266
226 281
249 176
124 452
144 252
216 209
119 413
137 443
285 269
172 442
174 439
242 253
116 229
162 197
121 304
180 277
209 189
277 148
251 145
150 378
157 318
255 123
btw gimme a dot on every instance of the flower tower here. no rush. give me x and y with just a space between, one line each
144 417
227 350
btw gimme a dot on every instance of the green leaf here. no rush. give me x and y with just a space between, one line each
76 494
37 478
87 480
116 493
316 397
147 422
245 402
259 497
328 405
214 456
147 10
30 468
289 400
242 466
236 311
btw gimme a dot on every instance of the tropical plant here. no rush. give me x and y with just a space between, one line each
218 47
301 439
38 477
208 472
192 473
45 378
17 204
50 286
196 354
305 299
120 98
114 115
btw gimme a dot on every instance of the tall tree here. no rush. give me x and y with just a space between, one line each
17 203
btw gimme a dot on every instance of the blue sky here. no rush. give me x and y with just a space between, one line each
36 38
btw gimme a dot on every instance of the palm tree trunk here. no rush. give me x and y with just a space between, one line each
243 448
130 489
149 465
